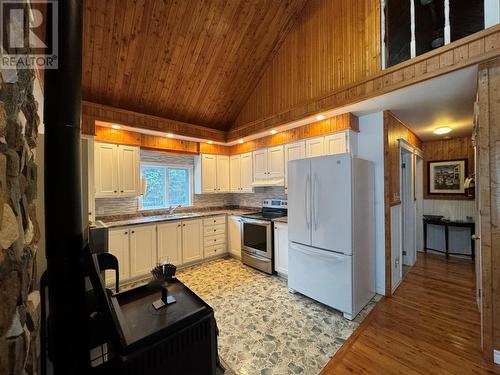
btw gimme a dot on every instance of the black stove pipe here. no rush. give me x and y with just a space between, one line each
63 196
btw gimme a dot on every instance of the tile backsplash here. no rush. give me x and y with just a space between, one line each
131 205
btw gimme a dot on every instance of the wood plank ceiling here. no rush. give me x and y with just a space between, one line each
190 61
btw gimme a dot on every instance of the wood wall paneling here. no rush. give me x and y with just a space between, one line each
447 149
190 61
337 123
394 130
488 142
258 116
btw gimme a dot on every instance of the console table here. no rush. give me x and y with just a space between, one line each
447 224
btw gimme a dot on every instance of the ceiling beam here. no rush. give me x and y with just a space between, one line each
92 112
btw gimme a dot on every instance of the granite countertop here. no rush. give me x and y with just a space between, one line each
113 223
283 219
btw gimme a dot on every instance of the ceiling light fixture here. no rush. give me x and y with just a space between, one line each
209 142
240 141
273 131
442 130
116 127
170 135
320 117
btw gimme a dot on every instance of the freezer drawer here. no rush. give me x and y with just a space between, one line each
322 275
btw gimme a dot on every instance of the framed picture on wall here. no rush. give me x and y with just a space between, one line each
447 177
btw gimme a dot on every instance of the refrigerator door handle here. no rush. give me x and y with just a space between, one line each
306 201
314 205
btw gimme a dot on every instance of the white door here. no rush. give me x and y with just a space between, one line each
118 245
276 162
331 212
192 240
142 250
234 234
260 164
208 173
293 151
281 248
246 173
235 173
170 242
336 143
128 167
299 201
223 184
315 147
106 170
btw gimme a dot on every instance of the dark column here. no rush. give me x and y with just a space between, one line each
63 197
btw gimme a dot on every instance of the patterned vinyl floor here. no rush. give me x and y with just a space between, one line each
264 329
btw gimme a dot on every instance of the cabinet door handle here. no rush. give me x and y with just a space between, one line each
133 231
183 225
116 191
125 233
121 191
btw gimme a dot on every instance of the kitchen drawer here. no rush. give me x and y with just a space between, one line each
215 220
215 240
211 230
215 250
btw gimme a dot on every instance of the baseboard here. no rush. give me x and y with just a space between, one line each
496 356
380 291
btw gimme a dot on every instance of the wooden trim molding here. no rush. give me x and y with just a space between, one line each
92 112
346 121
471 50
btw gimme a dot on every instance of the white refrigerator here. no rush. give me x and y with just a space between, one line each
331 221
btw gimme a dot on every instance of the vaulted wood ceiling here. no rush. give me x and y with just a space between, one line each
185 60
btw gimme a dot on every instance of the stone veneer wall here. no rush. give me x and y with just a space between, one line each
130 205
19 231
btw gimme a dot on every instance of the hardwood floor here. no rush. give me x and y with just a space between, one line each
430 326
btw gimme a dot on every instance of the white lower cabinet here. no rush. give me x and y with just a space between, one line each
143 253
119 246
234 235
281 248
170 242
192 240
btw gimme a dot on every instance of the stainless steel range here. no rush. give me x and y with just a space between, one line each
257 248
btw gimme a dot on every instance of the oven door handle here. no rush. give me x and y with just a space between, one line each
255 221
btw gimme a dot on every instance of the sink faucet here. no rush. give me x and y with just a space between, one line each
171 209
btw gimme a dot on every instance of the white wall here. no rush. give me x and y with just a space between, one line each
371 147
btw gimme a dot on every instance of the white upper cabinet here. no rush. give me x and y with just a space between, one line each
116 170
269 163
106 170
143 255
276 162
241 173
315 147
129 170
169 239
223 185
260 164
211 174
336 143
235 173
246 173
293 151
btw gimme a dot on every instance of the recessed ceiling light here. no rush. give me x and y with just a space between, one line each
170 135
320 117
442 130
240 141
273 131
116 126
209 142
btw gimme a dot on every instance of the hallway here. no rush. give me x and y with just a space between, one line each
430 326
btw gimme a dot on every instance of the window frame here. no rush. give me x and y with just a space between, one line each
168 166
